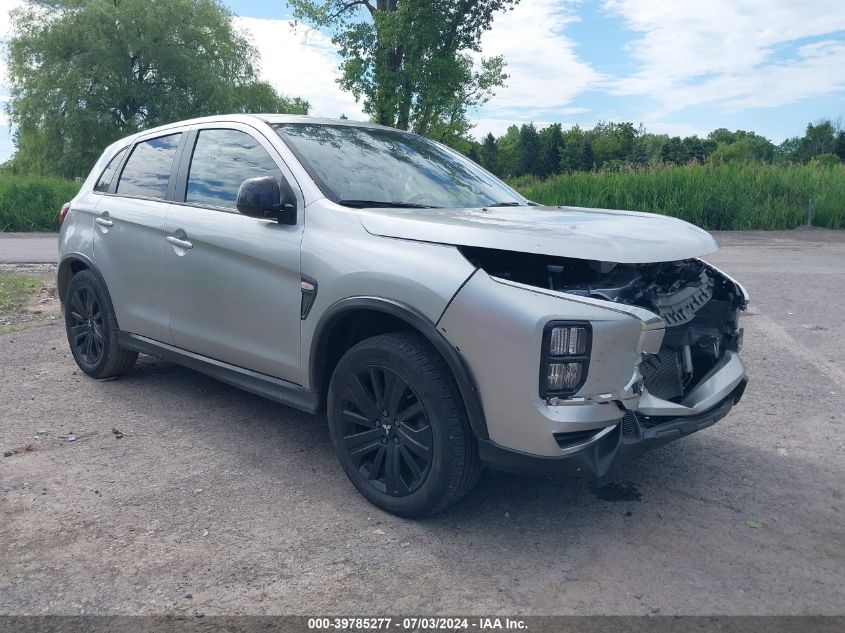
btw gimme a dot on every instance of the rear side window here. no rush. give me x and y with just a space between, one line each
107 176
148 169
222 160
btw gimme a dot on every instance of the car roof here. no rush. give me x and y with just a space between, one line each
264 118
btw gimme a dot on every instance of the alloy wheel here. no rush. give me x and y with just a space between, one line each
86 325
386 431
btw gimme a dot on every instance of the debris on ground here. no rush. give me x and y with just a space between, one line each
754 524
29 448
117 434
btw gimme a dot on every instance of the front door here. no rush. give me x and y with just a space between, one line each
233 281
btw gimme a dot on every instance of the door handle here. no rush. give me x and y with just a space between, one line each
103 222
180 243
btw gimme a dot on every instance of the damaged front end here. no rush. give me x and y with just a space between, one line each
698 305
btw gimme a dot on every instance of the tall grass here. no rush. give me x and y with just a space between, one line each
33 203
716 197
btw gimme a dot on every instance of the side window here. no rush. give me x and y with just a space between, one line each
222 160
107 176
148 169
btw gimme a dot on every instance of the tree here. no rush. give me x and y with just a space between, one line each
749 147
819 138
588 160
839 146
510 157
84 73
529 149
489 154
572 151
410 61
551 142
613 141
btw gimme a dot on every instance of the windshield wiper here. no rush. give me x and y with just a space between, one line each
363 204
505 204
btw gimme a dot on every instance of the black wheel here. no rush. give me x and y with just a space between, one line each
92 329
399 427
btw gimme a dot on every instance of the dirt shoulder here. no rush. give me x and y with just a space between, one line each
28 296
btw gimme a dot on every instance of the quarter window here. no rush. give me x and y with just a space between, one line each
104 182
222 160
148 169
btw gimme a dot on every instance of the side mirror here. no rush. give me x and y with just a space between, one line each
262 197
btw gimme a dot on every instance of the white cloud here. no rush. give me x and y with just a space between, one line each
301 63
5 22
5 31
726 51
545 70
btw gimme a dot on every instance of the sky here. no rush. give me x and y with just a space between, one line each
677 66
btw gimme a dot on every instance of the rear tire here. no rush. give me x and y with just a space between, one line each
92 328
399 427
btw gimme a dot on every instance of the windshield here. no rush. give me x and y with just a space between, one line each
362 167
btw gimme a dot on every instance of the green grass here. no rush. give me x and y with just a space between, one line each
14 290
32 203
722 197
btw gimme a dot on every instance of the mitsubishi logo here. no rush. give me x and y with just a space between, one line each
386 428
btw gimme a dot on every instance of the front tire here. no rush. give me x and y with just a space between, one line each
92 331
399 427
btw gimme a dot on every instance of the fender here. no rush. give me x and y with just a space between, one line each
418 321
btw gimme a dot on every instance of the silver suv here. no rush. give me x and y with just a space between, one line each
439 319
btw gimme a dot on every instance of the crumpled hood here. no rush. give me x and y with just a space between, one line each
627 237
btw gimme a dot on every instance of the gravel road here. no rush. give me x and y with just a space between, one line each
181 494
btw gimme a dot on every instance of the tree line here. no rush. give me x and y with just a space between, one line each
527 151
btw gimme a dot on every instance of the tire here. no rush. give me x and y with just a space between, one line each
92 328
385 456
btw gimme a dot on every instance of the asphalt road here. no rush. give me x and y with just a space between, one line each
29 248
216 501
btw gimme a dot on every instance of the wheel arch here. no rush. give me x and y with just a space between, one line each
72 264
351 320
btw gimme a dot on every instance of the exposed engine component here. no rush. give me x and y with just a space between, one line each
698 306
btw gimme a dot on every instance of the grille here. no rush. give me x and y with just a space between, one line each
662 374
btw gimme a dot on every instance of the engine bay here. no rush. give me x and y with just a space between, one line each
698 305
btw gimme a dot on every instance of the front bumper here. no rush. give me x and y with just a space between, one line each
632 435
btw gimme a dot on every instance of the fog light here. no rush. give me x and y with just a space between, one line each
568 341
561 376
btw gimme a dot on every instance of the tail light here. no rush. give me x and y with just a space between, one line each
63 212
566 357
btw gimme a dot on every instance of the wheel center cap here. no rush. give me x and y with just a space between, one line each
386 428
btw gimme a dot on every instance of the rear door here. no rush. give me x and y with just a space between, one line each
129 235
234 281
